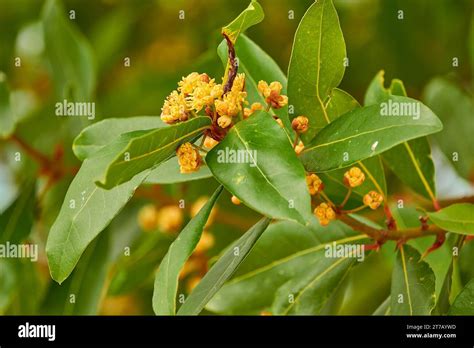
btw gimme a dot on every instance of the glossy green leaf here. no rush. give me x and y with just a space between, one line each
464 302
7 114
86 211
257 65
147 149
458 218
455 107
268 178
364 132
166 280
286 250
70 55
252 15
85 285
222 270
413 284
341 102
307 293
104 132
316 65
410 161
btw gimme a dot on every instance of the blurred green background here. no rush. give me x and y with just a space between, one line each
418 49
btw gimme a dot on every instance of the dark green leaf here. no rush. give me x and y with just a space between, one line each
286 250
147 149
458 218
270 180
222 270
316 65
364 132
464 302
166 280
69 54
413 284
7 114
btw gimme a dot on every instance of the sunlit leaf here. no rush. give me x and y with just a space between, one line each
458 218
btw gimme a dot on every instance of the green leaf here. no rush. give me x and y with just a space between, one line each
307 293
69 54
86 211
364 132
384 308
7 284
464 302
252 15
16 221
316 65
457 218
147 149
286 250
257 65
86 282
270 180
410 161
166 280
455 107
101 133
341 102
413 284
7 114
222 270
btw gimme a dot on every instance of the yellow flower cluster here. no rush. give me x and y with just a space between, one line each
272 94
373 199
189 158
325 214
315 185
231 103
354 177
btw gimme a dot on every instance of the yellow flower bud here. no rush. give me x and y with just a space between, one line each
324 213
373 199
300 124
205 243
148 218
209 142
315 185
299 148
272 94
224 121
235 200
354 177
189 158
170 218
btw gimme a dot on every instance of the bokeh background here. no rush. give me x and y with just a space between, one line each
418 49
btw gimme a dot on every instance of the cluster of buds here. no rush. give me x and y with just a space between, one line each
373 200
189 158
272 94
254 107
300 124
354 177
325 214
315 185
